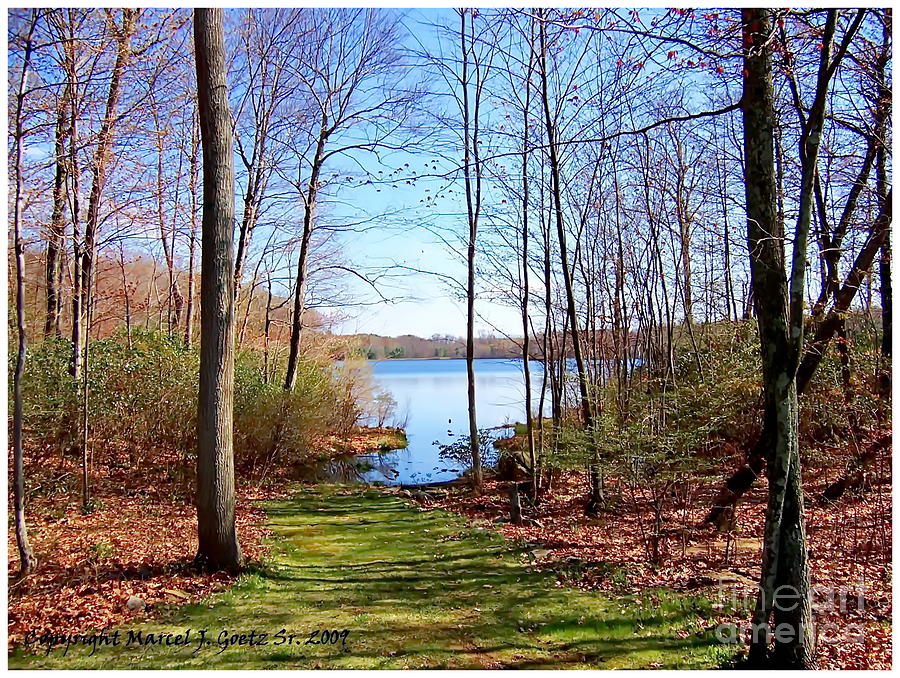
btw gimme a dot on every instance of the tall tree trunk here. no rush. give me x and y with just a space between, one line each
57 222
290 376
526 328
779 309
556 189
102 154
192 242
217 536
473 209
27 560
74 203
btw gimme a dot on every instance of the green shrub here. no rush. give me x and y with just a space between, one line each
143 398
686 422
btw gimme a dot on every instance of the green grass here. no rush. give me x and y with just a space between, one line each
415 589
392 440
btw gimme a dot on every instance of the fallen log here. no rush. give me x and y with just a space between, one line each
855 474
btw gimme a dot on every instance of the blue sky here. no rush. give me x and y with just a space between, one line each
422 304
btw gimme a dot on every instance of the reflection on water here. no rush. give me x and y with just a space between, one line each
337 470
432 395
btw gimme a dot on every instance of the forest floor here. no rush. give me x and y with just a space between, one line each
139 538
850 552
394 585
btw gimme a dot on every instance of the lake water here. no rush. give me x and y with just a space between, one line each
432 396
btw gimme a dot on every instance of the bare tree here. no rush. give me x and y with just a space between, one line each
473 75
270 41
779 302
218 544
192 235
99 164
352 73
572 316
27 560
784 516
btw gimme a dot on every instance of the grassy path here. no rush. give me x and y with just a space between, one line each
415 589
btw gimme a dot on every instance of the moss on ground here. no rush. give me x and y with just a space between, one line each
415 589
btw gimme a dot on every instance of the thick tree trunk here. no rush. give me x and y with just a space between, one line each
785 561
27 560
217 536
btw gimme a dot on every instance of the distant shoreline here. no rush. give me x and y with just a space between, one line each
394 360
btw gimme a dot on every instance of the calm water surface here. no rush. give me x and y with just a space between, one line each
432 395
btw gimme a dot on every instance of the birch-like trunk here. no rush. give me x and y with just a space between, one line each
27 560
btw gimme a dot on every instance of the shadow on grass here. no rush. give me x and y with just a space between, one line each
414 589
